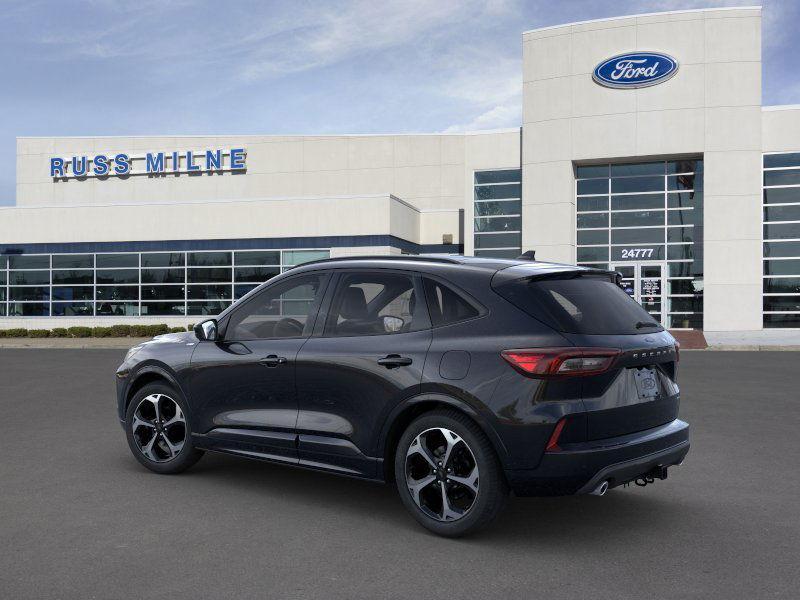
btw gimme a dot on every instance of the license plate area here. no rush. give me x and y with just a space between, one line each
646 381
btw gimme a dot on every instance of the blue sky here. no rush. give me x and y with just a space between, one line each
151 67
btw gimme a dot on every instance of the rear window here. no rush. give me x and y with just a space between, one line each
579 303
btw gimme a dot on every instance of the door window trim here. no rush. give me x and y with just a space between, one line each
465 296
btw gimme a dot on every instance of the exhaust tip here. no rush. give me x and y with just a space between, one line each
601 489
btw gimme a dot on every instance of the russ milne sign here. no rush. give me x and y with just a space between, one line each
635 70
151 163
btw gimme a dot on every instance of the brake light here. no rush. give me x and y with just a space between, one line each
561 362
552 443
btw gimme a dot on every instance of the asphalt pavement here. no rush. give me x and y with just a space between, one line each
80 518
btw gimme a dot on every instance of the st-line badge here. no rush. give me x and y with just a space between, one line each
635 70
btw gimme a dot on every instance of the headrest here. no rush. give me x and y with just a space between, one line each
354 304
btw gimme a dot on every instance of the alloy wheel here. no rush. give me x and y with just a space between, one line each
159 428
442 474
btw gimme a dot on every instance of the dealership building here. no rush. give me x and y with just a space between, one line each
643 147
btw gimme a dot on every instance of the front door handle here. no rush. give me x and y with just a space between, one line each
273 360
394 360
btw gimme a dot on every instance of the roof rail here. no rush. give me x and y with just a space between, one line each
404 257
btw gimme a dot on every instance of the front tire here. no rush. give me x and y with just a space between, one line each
158 430
448 475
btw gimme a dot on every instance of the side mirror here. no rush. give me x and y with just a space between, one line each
392 324
206 331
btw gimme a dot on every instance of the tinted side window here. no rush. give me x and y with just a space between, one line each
445 305
283 310
375 303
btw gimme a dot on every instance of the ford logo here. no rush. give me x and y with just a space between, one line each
635 70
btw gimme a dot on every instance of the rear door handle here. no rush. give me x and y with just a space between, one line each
273 360
394 360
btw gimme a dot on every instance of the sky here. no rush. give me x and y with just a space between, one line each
160 67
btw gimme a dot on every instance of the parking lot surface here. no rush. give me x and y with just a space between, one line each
80 518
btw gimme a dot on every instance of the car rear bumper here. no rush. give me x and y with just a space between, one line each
580 468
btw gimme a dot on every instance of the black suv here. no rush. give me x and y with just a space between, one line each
456 378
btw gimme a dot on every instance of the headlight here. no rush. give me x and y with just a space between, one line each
131 352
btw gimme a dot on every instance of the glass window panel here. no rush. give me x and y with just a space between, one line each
163 276
637 201
117 292
118 276
685 286
265 257
774 249
593 236
2 292
648 168
637 219
685 321
782 213
592 186
495 192
592 203
637 236
498 224
684 182
163 259
209 292
84 292
782 195
207 308
505 207
29 293
498 240
683 217
117 309
782 285
241 290
162 308
2 277
782 267
782 231
498 176
626 272
685 200
73 309
639 252
3 309
592 220
298 257
789 159
680 234
3 262
29 261
255 274
162 292
587 171
684 166
791 303
113 261
511 253
73 277
73 261
788 320
694 304
680 252
209 275
637 184
29 277
788 177
593 254
28 309
209 259
681 269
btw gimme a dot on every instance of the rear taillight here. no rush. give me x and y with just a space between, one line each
561 362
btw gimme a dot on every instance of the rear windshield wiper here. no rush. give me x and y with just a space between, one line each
643 324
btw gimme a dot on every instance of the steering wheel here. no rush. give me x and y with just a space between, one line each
288 327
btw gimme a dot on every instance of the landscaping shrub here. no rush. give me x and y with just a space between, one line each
139 331
177 330
101 332
120 330
16 332
190 327
38 333
59 332
80 332
158 329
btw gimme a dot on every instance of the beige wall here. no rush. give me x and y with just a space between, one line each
712 106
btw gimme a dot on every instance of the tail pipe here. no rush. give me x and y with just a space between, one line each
601 489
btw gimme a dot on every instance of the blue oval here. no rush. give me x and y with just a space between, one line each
635 70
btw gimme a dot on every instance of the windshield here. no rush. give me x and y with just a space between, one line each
579 303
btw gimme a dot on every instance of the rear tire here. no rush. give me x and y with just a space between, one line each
448 475
158 432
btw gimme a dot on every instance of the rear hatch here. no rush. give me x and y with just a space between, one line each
638 391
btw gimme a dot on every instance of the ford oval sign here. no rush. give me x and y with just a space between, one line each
635 70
